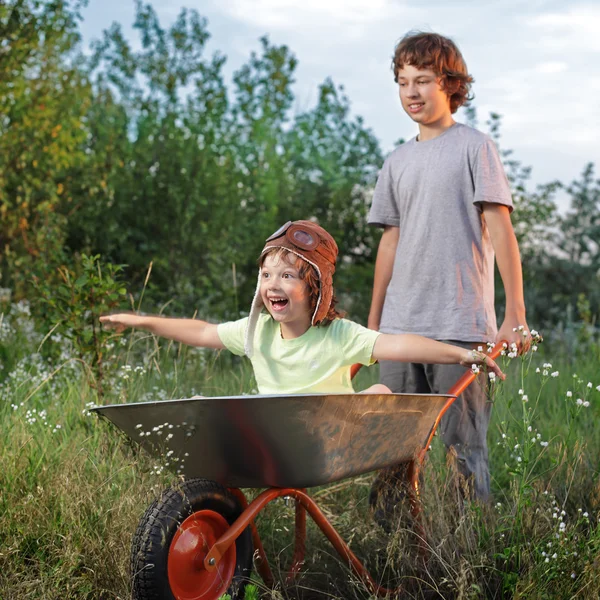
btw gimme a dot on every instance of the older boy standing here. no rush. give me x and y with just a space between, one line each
444 202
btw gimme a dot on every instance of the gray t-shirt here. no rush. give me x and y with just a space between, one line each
442 283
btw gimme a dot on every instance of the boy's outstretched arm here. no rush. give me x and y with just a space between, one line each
508 258
384 265
407 347
187 331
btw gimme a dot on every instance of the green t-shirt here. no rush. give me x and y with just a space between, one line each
318 361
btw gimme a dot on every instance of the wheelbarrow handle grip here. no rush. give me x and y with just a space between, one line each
459 387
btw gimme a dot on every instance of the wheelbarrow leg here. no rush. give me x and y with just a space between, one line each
414 494
260 556
299 542
224 542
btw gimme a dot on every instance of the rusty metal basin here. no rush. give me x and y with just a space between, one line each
280 441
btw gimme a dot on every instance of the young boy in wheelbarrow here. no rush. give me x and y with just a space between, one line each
300 343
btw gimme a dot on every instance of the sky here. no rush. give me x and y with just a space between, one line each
536 62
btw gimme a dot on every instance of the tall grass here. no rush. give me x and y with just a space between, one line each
72 488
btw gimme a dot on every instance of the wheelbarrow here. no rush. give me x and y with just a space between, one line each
199 540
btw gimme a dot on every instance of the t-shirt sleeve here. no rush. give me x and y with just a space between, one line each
489 177
355 341
233 334
384 209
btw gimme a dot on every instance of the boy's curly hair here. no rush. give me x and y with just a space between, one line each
309 275
440 54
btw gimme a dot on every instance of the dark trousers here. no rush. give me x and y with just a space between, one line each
464 426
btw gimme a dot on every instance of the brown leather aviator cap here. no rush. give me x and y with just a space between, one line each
313 244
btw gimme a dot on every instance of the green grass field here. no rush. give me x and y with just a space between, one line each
72 489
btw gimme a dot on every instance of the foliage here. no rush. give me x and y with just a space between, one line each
216 172
44 99
74 306
560 252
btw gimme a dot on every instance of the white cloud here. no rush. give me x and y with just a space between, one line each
551 67
573 29
289 14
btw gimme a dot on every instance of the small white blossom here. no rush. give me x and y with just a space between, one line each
554 374
569 394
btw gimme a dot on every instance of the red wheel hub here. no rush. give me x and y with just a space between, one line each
188 578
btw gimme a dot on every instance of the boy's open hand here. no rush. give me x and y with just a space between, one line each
120 322
475 357
515 332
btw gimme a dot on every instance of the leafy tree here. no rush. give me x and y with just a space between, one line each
208 176
576 268
44 97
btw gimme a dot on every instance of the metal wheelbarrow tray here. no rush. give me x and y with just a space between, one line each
198 540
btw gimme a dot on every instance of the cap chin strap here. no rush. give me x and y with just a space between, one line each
257 303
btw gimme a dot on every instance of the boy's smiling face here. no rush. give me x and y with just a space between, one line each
285 294
422 96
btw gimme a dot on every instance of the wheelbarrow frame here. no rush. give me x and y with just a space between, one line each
304 504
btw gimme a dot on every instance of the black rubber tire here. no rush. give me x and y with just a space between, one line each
153 537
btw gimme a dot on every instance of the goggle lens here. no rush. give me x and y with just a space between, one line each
303 239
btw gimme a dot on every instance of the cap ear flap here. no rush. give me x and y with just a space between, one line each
325 299
255 309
